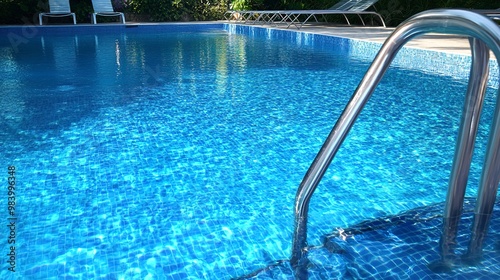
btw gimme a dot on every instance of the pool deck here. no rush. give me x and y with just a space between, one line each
438 42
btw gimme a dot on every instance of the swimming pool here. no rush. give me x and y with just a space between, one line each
174 151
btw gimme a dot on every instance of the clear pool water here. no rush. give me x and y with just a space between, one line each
175 153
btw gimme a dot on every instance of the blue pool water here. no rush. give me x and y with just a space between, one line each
175 152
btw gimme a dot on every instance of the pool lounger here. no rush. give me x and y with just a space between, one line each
105 8
58 8
493 14
292 17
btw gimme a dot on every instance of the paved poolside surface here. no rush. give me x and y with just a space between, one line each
439 42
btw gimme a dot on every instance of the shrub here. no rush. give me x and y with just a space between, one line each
393 11
178 10
19 11
396 11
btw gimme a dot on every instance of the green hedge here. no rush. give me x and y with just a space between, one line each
396 11
177 10
24 11
393 11
19 11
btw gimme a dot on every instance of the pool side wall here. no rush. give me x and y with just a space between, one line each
429 61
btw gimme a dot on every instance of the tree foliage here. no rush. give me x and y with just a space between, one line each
177 10
393 11
396 11
19 11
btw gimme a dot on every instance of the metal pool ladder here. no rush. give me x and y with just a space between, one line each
484 35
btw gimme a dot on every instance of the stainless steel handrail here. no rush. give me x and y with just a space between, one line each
485 34
464 148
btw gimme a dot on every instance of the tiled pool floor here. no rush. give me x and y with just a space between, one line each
380 249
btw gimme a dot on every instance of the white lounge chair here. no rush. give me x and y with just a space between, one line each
493 14
105 8
268 16
344 7
58 8
293 17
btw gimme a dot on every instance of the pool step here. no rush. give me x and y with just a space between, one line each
394 247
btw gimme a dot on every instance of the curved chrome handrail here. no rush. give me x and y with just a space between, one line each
486 35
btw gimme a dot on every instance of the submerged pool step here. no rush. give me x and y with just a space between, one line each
395 247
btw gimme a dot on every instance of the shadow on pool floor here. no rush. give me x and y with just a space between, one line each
394 247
